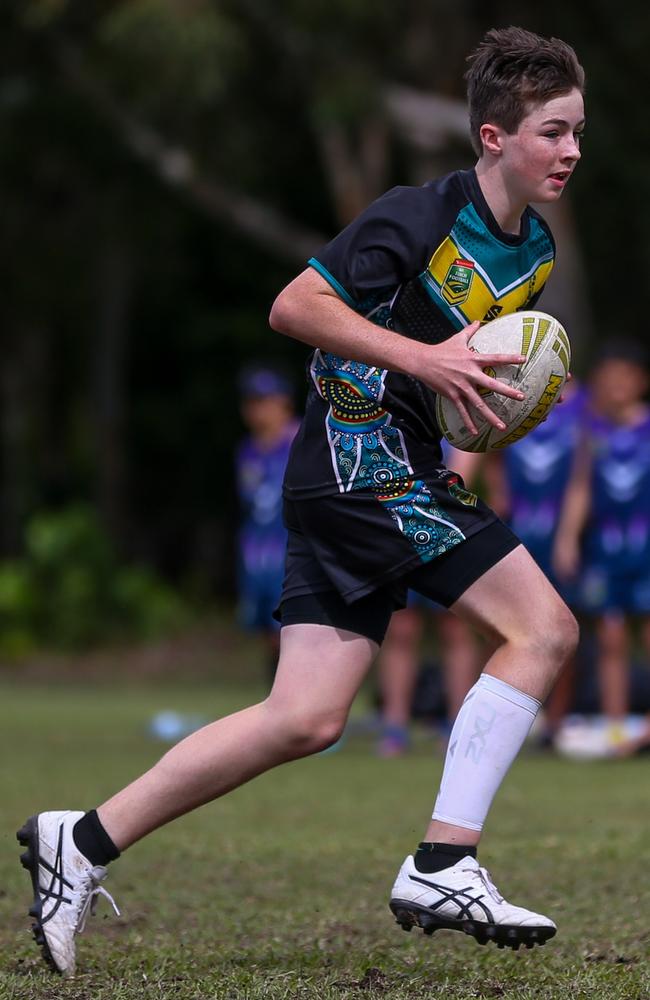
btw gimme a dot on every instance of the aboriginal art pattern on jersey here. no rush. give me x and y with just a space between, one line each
368 452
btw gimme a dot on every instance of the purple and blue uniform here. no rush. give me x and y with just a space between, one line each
616 574
262 534
538 469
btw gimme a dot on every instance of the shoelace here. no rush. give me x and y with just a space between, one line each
485 878
89 890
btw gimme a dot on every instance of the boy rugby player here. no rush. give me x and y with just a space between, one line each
389 306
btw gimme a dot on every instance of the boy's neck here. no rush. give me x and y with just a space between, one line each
506 210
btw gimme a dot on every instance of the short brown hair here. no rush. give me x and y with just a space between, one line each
512 69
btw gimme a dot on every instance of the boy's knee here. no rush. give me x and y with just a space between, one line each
320 735
559 636
327 735
569 632
305 732
548 634
312 737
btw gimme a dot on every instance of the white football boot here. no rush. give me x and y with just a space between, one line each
66 885
464 898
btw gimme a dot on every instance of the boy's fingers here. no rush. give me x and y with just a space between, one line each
465 416
501 388
503 359
477 403
470 330
489 415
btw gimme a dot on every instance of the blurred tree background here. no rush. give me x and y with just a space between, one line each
166 166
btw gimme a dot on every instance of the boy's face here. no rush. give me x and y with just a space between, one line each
538 159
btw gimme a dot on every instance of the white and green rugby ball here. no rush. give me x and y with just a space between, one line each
543 340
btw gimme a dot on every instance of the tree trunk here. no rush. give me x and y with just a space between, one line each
21 390
108 377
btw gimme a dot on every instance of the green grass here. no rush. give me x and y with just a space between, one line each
280 889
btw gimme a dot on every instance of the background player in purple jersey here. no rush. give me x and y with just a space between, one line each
605 522
267 409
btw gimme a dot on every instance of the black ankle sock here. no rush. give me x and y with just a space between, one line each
92 840
435 857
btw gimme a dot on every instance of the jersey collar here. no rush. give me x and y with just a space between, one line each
473 189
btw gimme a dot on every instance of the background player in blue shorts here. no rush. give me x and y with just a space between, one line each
389 307
603 541
267 409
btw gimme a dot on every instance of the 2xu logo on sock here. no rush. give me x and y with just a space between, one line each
483 727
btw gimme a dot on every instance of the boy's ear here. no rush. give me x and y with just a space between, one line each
491 138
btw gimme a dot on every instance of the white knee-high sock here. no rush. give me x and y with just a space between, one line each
491 726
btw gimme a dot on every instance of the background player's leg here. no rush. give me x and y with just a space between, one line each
533 634
644 633
559 702
613 666
461 659
319 673
398 665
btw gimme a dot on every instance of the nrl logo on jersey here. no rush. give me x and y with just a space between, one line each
458 281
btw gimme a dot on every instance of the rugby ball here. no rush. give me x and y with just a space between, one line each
541 377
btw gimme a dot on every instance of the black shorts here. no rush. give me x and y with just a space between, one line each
351 559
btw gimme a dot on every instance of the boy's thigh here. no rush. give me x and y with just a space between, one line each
369 616
541 549
513 599
492 582
320 669
445 579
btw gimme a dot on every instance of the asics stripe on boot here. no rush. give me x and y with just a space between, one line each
464 898
65 883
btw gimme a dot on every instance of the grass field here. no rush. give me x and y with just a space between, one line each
280 890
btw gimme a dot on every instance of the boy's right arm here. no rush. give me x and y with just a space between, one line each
311 311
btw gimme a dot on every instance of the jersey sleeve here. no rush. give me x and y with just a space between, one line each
384 246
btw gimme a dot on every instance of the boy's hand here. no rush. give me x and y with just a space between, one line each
455 371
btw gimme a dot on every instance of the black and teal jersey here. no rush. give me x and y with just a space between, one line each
424 261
